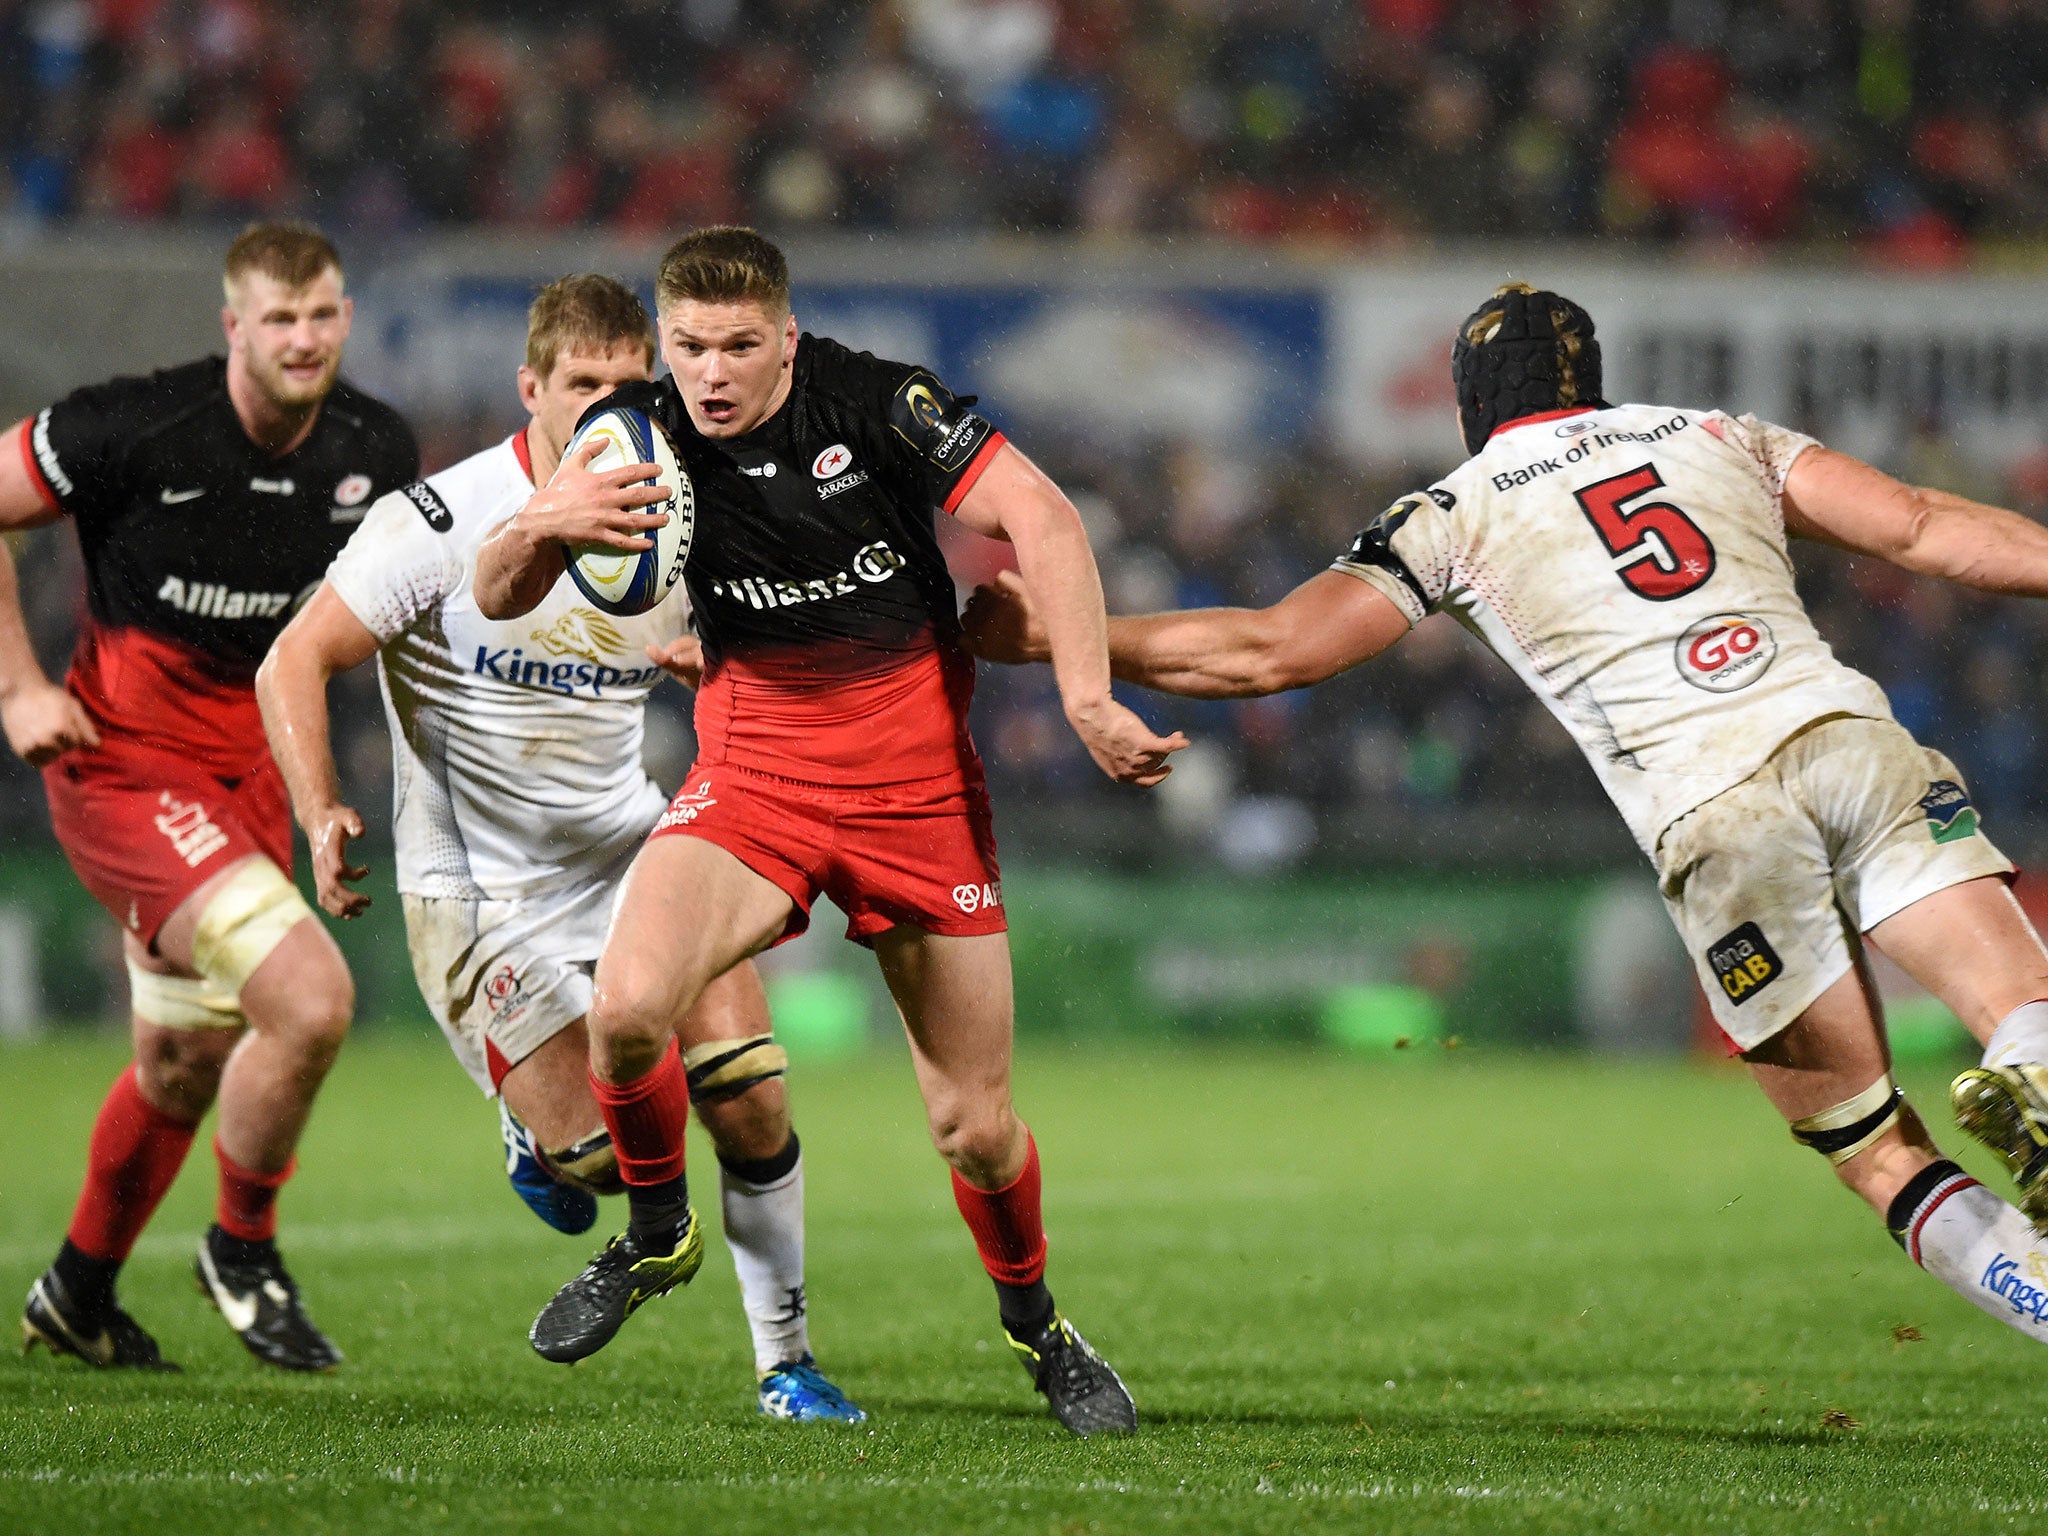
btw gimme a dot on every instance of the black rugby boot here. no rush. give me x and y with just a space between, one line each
102 1338
627 1271
1080 1388
248 1285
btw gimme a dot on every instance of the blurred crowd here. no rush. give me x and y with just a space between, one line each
1915 129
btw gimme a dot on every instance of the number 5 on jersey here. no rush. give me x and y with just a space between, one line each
1659 552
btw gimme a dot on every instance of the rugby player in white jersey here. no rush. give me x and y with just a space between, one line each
520 800
1629 563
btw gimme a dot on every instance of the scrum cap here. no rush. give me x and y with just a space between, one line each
1523 351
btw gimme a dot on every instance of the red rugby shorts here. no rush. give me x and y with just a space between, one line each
144 830
921 853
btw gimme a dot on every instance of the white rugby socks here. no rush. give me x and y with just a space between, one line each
764 1227
1975 1244
2022 1035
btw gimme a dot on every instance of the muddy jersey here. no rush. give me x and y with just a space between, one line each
1630 565
829 621
198 544
515 743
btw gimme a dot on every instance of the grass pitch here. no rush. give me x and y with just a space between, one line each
1449 1294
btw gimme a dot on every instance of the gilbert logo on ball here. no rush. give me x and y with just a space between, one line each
1724 653
624 582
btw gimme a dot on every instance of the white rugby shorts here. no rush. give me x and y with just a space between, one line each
1772 882
502 978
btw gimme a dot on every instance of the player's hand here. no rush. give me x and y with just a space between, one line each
578 507
328 831
1123 746
1002 625
681 659
43 721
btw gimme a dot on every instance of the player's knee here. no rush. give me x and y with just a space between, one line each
246 918
629 1021
975 1138
180 1069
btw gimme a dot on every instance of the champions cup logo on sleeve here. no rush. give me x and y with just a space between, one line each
1950 816
1727 652
1744 963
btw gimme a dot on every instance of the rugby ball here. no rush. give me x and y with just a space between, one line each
629 581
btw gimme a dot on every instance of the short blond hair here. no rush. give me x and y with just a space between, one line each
289 251
725 264
584 309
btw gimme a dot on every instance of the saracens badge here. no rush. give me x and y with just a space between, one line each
352 491
1727 652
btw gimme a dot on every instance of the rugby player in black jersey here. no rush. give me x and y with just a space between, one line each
209 499
833 757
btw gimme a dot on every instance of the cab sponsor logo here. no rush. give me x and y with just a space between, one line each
1744 963
211 600
2002 1277
1950 816
192 834
872 564
833 462
978 898
1725 653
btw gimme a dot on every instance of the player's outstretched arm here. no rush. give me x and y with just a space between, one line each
1834 499
1014 500
524 556
1328 624
291 685
40 719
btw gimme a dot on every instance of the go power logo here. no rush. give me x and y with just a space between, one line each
1725 653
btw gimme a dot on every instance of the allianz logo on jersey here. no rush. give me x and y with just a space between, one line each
872 564
583 636
211 600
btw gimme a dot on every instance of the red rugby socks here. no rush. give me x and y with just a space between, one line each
647 1118
135 1153
1009 1232
248 1200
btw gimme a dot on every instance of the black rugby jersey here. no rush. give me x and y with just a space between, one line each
831 635
814 530
191 531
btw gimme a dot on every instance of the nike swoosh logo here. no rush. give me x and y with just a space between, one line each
172 498
240 1311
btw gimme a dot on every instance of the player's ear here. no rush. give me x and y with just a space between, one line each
529 390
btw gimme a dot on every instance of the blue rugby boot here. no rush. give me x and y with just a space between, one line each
562 1206
798 1391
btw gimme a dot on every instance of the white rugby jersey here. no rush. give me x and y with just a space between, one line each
515 745
1630 565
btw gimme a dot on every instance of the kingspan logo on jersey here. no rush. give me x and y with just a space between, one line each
872 563
579 634
1724 653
